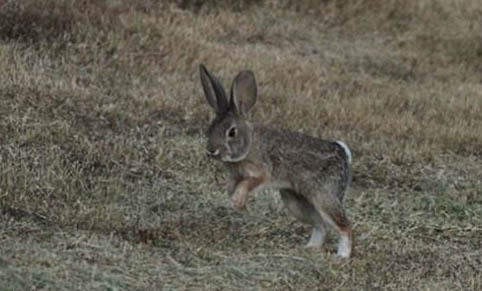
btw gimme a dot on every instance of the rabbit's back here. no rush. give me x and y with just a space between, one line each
304 161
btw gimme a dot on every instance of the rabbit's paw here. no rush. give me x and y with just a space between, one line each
238 201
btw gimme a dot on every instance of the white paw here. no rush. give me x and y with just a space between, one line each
317 238
344 247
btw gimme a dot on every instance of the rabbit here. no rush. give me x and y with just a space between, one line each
311 174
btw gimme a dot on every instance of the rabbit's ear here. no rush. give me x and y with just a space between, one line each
214 91
244 92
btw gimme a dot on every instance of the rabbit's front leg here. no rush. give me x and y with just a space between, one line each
241 191
231 185
240 195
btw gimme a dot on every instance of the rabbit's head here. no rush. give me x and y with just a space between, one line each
230 133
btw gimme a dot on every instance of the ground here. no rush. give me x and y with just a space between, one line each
104 182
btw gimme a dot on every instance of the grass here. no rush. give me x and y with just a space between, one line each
104 184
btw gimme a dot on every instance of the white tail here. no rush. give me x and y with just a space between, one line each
346 149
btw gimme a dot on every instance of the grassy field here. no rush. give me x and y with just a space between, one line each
104 184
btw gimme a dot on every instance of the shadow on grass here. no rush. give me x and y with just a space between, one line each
32 26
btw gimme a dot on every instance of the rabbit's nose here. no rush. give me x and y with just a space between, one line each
213 153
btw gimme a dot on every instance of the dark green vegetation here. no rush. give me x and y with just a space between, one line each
104 184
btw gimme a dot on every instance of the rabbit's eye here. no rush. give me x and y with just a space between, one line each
232 132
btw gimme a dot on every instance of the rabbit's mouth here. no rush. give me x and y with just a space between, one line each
225 154
214 154
219 154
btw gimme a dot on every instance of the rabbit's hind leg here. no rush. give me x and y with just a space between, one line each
333 213
318 236
304 211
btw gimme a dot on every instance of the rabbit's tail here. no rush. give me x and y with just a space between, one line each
346 149
347 175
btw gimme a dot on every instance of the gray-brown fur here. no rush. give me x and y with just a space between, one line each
312 174
313 162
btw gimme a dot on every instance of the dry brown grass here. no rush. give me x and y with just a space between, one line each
104 184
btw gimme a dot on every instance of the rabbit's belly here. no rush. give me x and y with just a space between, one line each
279 184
